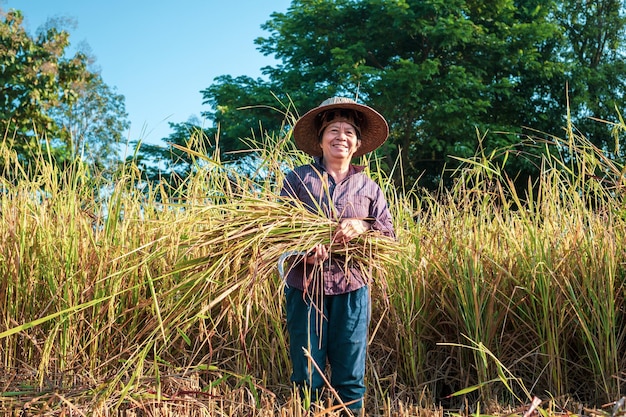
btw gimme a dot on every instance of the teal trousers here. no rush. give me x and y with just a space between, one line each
334 330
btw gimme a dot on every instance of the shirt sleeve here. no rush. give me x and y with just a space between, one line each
383 222
289 187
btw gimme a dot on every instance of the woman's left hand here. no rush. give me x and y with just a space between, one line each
318 254
348 229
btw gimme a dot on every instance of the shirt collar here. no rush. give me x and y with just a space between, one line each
354 169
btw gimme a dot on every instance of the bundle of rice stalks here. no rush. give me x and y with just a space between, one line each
250 238
226 279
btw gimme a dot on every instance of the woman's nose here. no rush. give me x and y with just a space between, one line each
343 135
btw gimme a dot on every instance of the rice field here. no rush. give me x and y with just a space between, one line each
120 297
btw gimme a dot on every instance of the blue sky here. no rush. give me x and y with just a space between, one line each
161 54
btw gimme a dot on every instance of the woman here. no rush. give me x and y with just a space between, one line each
327 301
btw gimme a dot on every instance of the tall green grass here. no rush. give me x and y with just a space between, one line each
113 288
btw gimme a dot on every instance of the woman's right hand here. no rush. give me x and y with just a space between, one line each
317 255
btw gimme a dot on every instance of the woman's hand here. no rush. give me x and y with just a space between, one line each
348 229
316 255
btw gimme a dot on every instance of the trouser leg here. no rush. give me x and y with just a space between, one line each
307 331
341 337
349 316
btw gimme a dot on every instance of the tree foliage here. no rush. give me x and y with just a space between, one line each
440 71
243 108
595 34
92 124
170 165
52 99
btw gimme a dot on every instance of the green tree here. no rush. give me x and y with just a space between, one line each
54 100
92 124
597 81
243 108
170 165
439 70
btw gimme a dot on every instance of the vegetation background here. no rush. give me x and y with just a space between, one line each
131 285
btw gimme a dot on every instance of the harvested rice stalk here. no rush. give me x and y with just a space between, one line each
250 236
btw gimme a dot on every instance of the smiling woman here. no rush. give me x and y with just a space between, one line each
327 295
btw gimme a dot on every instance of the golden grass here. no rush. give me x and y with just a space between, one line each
125 298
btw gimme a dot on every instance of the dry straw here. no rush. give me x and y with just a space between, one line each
257 233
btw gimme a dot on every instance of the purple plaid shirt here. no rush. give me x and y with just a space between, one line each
356 196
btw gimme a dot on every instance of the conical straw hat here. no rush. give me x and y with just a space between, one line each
373 126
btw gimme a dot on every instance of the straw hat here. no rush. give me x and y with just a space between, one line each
372 126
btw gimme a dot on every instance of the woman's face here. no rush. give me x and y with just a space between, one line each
339 141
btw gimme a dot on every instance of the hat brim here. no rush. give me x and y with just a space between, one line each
374 129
